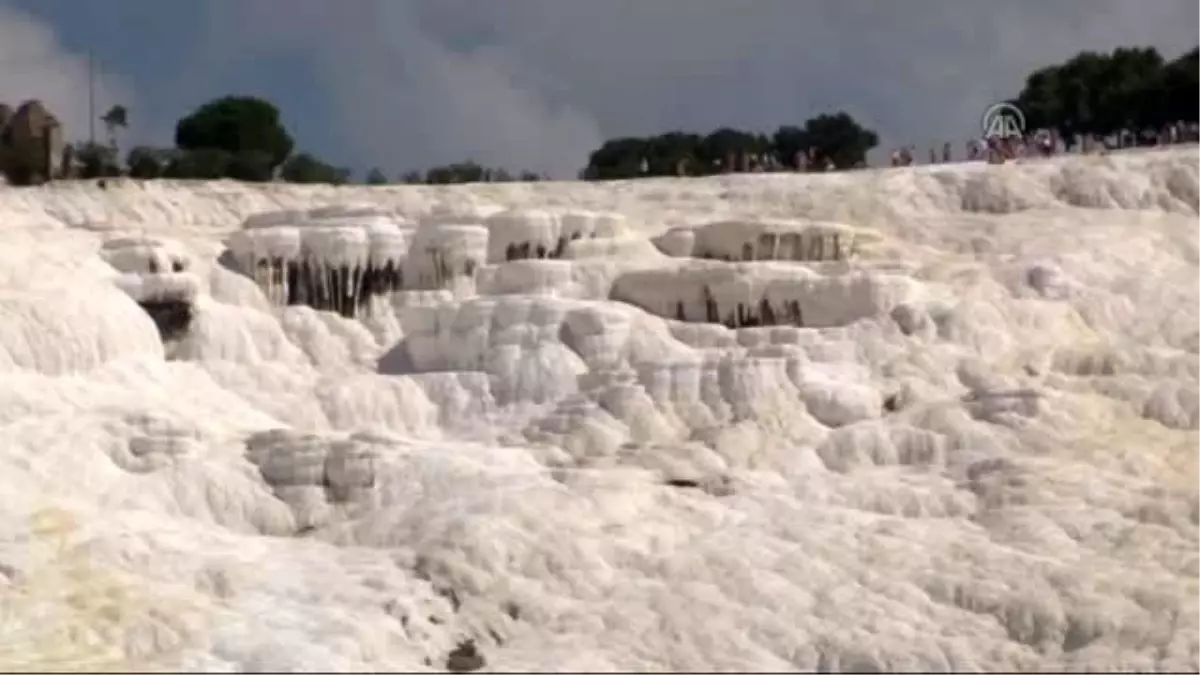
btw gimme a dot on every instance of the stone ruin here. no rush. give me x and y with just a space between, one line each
31 144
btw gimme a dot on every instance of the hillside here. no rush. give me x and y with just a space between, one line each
940 418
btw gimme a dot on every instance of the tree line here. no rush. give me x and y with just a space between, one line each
829 140
244 137
1131 89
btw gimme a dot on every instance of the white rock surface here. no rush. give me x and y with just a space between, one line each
961 437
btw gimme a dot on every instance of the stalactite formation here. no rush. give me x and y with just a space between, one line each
762 241
526 250
784 247
751 316
348 289
743 315
339 260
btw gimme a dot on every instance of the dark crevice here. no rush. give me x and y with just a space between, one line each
465 658
713 486
171 317
891 404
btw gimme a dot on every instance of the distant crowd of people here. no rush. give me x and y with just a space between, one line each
1048 142
749 162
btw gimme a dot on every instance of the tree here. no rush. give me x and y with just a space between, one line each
838 138
1043 100
238 126
725 145
199 164
305 168
117 117
1139 96
461 172
665 153
253 166
96 160
376 177
1130 89
787 142
147 163
616 158
1181 82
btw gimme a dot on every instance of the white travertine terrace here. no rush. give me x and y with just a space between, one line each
442 253
154 273
931 419
339 258
518 234
762 239
742 295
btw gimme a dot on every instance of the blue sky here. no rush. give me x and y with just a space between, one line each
537 84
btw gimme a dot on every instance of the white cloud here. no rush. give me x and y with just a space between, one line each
35 65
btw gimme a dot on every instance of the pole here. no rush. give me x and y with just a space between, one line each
91 97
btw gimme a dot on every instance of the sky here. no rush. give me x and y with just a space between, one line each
539 84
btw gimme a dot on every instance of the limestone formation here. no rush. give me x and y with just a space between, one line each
155 273
340 259
758 239
748 295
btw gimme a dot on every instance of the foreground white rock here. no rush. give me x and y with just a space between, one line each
931 419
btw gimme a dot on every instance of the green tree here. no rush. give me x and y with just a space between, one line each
837 137
305 168
461 172
254 166
1181 84
1127 92
617 158
96 160
117 117
376 177
840 139
726 143
147 163
1130 88
465 172
786 142
242 127
199 164
666 153
1043 100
